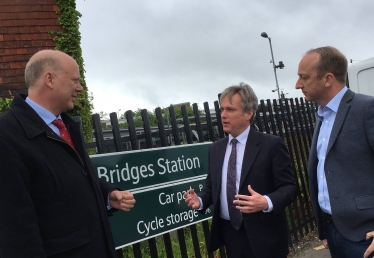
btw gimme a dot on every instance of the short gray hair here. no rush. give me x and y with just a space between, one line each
37 66
250 100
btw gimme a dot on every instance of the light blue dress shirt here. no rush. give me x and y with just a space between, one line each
327 116
45 114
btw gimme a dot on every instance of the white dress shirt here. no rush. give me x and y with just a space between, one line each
240 148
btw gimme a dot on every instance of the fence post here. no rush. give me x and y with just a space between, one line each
209 123
161 127
98 132
198 123
116 131
132 130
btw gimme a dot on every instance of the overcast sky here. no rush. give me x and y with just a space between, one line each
147 53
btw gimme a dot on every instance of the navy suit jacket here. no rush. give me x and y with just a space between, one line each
267 168
349 168
52 203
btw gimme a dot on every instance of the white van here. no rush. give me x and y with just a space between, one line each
360 76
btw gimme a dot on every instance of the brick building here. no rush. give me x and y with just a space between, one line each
24 27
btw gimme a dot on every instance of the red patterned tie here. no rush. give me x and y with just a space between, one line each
235 215
64 133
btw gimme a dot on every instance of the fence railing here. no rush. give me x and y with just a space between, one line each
291 119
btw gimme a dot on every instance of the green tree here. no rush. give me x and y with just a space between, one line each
179 115
103 115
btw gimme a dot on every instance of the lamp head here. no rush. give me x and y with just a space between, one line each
264 35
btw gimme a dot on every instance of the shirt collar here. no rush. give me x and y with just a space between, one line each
333 104
45 114
242 138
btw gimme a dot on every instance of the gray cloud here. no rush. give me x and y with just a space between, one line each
154 53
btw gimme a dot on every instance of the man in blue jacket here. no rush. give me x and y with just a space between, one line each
341 161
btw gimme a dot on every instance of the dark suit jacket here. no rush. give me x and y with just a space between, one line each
349 168
267 168
52 203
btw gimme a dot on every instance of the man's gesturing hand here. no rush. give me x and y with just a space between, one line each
325 243
121 200
371 246
191 199
251 203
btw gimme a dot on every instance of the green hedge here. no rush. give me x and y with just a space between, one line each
4 104
68 41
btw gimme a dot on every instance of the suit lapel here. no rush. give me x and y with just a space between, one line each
315 136
340 117
250 153
221 150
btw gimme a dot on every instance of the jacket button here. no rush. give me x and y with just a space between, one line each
84 172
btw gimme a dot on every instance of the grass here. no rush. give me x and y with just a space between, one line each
161 250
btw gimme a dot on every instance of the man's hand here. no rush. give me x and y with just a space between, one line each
251 203
371 246
191 199
325 244
121 200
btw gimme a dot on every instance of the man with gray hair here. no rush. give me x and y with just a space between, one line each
250 181
52 202
341 159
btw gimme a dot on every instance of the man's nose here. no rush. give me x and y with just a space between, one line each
298 84
79 88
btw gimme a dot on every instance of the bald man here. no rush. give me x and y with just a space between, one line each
52 203
341 158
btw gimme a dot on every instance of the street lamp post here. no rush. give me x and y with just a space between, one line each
280 66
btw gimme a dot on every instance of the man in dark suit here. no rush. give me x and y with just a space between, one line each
52 203
341 161
249 182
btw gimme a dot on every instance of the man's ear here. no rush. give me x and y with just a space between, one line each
329 78
48 79
249 115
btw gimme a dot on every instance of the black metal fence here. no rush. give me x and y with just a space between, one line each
291 119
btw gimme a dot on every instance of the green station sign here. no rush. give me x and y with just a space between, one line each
156 212
143 168
158 178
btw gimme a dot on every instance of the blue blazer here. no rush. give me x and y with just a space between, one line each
349 168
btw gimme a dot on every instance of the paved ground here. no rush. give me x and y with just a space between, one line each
305 248
309 252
